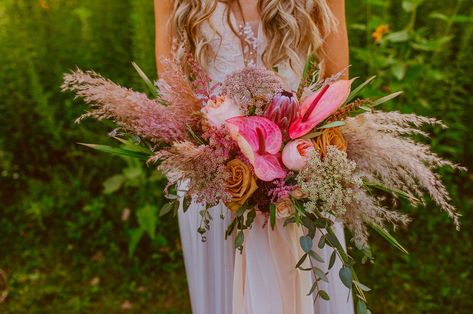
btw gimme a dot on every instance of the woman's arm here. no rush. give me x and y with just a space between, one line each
335 48
163 43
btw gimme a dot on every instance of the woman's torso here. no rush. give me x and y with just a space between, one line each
226 49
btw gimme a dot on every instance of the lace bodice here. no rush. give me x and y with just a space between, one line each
227 54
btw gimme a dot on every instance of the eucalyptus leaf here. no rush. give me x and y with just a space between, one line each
361 307
346 276
333 258
301 260
316 256
319 273
324 295
306 243
312 289
240 237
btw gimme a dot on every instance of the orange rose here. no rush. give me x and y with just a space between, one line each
241 184
329 137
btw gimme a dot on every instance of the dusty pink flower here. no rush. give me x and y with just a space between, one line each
259 140
318 106
296 154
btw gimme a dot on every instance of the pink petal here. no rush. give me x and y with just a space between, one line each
269 167
247 127
333 98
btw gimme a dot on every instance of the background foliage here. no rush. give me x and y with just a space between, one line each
79 231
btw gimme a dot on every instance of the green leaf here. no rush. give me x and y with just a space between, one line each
333 124
147 219
117 151
319 273
312 135
166 209
357 90
312 289
153 90
135 237
113 184
346 276
333 257
250 217
361 286
324 295
361 307
399 70
272 215
132 146
316 256
394 192
397 37
301 260
321 243
386 98
388 237
306 243
230 228
239 239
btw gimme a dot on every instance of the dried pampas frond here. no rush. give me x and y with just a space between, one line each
131 110
384 152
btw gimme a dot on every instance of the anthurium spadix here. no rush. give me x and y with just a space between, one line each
260 141
317 107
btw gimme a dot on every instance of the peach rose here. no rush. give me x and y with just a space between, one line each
284 208
329 137
221 109
241 184
297 193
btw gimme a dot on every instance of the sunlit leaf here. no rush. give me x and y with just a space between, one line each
117 151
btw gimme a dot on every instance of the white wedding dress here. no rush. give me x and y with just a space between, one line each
262 280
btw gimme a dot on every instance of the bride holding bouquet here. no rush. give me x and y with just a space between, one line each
224 37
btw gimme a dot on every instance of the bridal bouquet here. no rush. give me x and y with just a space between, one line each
312 156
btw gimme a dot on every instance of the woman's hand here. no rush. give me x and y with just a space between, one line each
335 49
163 43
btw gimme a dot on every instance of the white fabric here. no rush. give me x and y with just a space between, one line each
261 280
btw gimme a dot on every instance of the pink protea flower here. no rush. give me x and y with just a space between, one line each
318 106
259 140
296 154
283 110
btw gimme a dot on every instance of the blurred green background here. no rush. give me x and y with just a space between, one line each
79 230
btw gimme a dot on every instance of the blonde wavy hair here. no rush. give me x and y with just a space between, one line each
295 28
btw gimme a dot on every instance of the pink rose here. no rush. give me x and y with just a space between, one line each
220 110
296 154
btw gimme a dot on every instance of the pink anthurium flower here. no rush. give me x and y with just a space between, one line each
317 107
296 154
259 140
